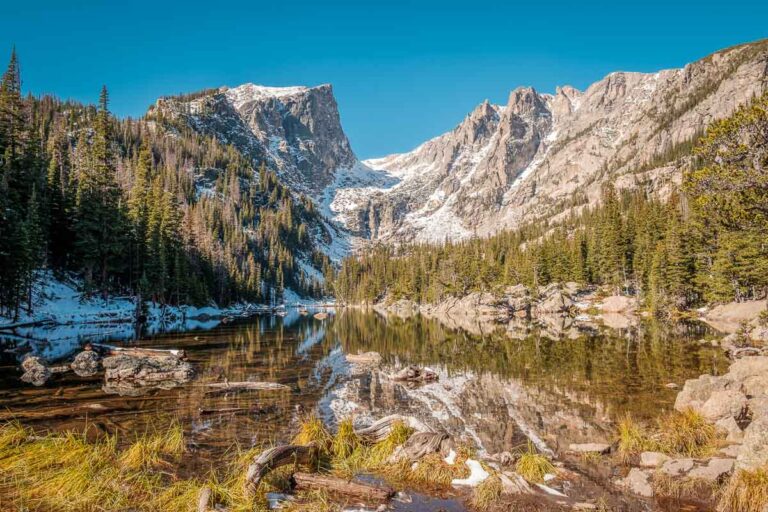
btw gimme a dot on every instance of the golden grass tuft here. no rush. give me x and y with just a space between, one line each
745 491
633 439
381 451
533 466
696 489
487 492
148 451
312 430
345 442
312 501
687 433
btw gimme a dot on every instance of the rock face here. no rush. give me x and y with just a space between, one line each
294 130
506 164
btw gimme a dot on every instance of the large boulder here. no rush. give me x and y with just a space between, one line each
518 298
147 370
715 470
552 299
754 449
746 367
727 403
696 392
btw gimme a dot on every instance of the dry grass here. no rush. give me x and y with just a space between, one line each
533 466
677 489
745 491
312 430
312 501
684 433
487 493
150 449
345 442
687 433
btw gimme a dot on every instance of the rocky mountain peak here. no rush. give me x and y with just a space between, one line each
526 102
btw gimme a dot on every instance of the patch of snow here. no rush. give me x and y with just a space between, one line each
476 476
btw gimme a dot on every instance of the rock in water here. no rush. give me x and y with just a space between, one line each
147 370
86 363
35 372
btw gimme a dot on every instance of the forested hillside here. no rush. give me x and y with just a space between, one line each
708 242
142 207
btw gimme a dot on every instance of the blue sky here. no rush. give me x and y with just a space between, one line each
402 72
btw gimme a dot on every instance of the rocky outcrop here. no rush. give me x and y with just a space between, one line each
738 403
740 319
296 131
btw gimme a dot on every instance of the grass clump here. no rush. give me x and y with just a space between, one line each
533 466
745 491
380 452
312 430
150 449
687 433
633 439
311 501
677 489
487 492
345 442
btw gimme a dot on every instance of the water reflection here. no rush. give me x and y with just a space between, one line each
495 388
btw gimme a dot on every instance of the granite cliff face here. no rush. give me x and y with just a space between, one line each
541 155
538 156
294 130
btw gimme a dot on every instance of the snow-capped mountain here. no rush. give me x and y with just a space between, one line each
294 130
541 155
538 156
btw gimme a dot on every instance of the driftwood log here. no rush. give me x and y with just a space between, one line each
380 429
276 457
203 498
363 491
262 386
422 444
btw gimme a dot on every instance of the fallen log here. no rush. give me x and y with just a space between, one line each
368 358
380 429
113 350
276 457
262 386
332 484
422 444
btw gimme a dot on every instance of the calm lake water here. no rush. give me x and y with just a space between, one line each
496 389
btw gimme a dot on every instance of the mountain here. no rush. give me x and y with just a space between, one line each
538 156
544 154
295 131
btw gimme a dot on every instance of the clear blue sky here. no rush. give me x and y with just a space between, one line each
402 71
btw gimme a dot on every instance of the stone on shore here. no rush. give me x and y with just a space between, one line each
638 482
652 459
677 467
714 471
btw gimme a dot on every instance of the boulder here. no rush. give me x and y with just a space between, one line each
86 363
652 459
518 299
35 372
759 333
724 404
714 471
677 467
757 407
697 391
553 300
747 367
731 428
755 386
589 448
618 304
754 449
638 481
147 370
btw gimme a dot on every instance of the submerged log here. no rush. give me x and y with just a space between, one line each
415 374
332 484
262 386
275 457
